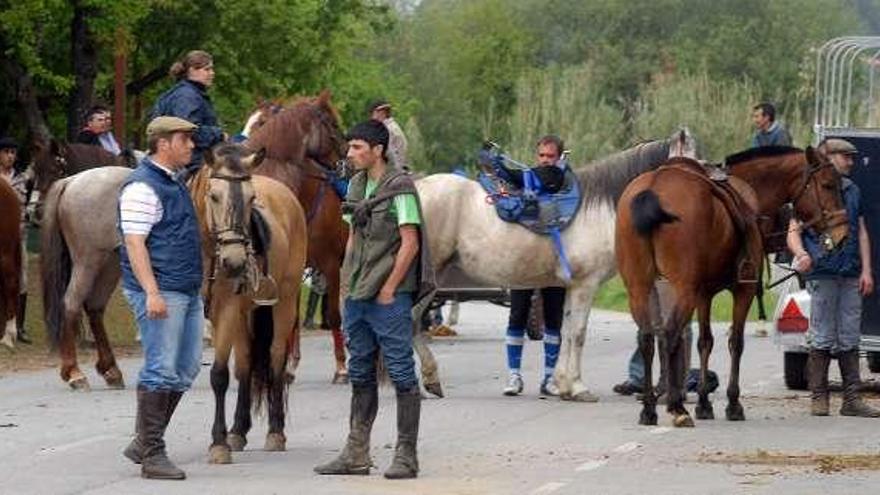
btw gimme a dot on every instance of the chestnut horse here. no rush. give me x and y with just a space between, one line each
239 265
303 142
10 261
676 223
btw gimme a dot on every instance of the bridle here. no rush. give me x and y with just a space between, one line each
234 234
825 219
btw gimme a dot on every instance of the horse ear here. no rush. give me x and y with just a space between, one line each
812 155
209 156
256 159
56 148
324 97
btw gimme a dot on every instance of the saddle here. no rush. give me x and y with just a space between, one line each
262 286
742 215
540 209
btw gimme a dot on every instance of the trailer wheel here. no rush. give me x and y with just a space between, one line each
796 370
874 362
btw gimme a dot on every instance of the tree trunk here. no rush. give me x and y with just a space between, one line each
26 95
84 58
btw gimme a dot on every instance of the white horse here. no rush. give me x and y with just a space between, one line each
464 230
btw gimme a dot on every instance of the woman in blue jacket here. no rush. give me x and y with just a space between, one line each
189 100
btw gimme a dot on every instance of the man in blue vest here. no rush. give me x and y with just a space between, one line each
837 280
161 278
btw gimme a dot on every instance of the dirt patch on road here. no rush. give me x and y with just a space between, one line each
823 463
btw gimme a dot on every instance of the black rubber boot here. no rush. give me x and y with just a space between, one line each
154 418
817 371
406 461
852 401
311 308
355 457
23 336
134 451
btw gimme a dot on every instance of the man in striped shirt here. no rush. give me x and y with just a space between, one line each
161 277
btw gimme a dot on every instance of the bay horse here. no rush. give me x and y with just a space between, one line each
675 223
54 160
303 142
10 261
225 195
465 232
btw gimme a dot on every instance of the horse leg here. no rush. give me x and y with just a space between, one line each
643 306
220 452
430 375
567 375
282 316
674 356
237 438
95 306
705 343
79 288
742 300
333 318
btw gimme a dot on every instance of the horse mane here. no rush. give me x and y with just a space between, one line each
760 152
275 134
605 179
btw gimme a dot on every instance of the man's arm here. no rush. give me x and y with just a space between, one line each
802 260
136 246
866 280
409 248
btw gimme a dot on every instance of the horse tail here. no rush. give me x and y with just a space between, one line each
261 356
55 263
647 214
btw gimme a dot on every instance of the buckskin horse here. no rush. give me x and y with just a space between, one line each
10 261
465 231
702 237
226 196
303 142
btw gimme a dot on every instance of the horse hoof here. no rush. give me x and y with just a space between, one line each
80 384
219 454
340 378
648 418
114 379
275 442
236 442
435 388
683 421
705 412
584 396
8 342
735 413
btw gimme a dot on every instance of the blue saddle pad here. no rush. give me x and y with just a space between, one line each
544 213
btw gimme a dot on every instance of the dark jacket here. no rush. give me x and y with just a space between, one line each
844 260
189 100
174 243
86 136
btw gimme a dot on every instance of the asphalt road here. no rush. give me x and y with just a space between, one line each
475 441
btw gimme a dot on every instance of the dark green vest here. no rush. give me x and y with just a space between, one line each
376 236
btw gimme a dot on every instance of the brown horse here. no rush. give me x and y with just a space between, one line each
303 142
225 196
55 159
677 224
10 261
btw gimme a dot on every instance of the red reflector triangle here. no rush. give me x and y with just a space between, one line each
792 310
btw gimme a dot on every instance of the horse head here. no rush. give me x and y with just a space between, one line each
228 203
324 141
818 201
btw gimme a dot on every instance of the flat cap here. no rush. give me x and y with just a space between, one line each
165 124
7 142
843 146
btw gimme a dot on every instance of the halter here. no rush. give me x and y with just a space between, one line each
827 216
232 235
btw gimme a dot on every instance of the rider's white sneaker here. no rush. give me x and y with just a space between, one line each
549 388
514 385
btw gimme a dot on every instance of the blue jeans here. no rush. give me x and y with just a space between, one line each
370 327
172 345
835 314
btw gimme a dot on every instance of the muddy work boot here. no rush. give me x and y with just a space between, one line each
817 372
355 457
406 461
852 401
154 418
134 451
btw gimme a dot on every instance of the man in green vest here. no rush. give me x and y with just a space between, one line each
385 275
